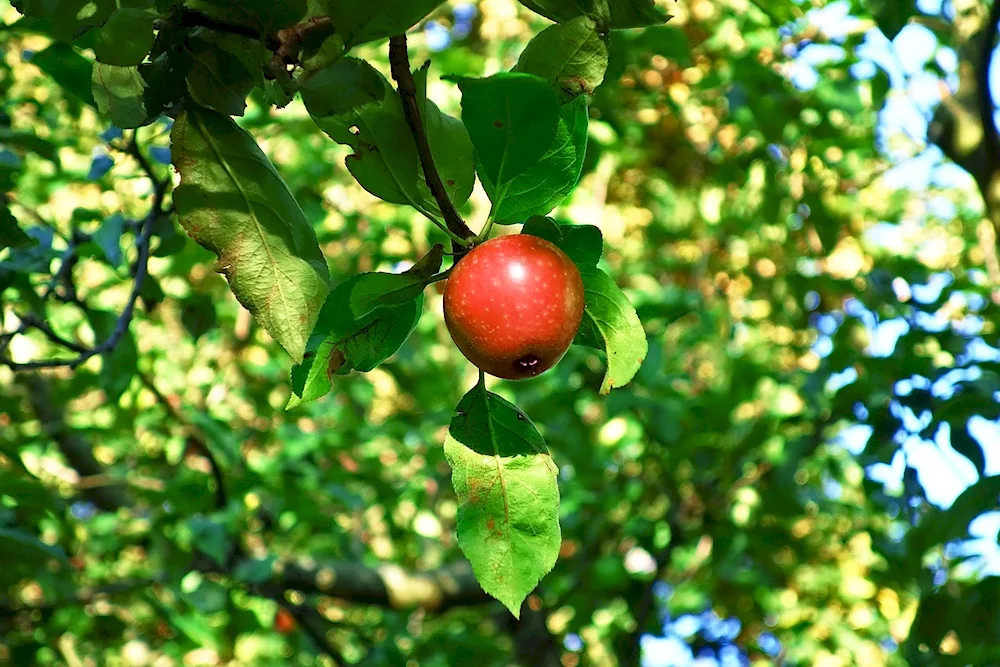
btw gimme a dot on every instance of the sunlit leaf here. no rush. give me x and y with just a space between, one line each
505 480
583 243
609 314
356 106
342 341
120 94
572 56
232 201
375 290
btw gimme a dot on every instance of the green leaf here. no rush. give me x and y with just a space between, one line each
378 290
609 314
610 14
941 526
255 571
65 20
64 65
505 480
892 15
27 490
266 16
232 201
120 364
108 238
126 38
582 243
546 184
198 315
572 56
219 80
120 94
329 50
342 342
28 547
356 106
342 87
209 537
192 626
512 119
358 21
11 235
963 443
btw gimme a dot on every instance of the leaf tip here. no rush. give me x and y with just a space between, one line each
513 606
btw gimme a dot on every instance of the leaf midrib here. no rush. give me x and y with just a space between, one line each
249 204
500 475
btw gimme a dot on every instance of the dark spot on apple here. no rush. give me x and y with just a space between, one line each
527 363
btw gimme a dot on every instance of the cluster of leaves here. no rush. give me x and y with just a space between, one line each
523 133
736 212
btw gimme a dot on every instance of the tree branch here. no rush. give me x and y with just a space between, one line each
399 63
63 276
389 585
385 586
987 106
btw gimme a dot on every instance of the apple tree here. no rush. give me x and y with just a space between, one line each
266 269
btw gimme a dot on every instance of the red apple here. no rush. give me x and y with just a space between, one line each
284 622
513 305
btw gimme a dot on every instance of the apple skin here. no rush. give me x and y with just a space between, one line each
284 622
513 305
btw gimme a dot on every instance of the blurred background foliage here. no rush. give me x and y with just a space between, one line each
800 198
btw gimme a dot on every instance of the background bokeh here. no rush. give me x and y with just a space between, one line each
799 198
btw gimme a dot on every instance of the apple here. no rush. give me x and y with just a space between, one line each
284 622
513 305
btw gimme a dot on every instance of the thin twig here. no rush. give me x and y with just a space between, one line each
121 325
41 325
399 63
64 277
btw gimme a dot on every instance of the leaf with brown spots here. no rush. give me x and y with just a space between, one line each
572 56
232 201
505 480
